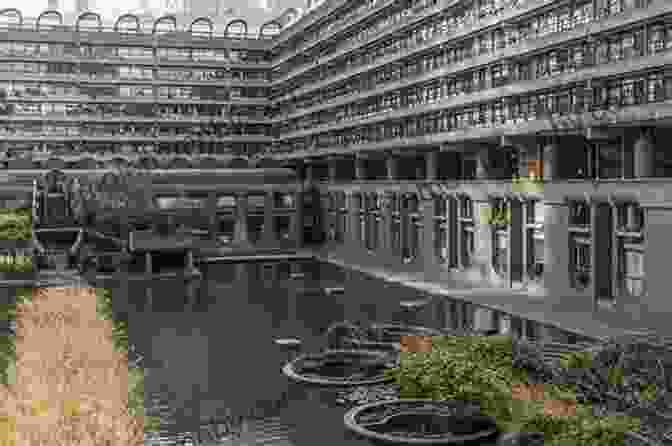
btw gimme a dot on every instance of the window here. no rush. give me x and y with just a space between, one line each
466 223
535 241
630 249
580 245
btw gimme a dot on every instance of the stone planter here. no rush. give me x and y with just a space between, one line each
340 367
422 422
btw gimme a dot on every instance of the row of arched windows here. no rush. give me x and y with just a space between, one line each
234 28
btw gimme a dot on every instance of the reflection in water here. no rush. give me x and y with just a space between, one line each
211 357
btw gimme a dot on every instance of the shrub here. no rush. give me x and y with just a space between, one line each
486 370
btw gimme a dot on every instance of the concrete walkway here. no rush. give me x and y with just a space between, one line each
516 303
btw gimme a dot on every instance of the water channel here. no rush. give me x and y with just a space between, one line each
210 353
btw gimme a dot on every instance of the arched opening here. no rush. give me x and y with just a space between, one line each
208 163
86 163
269 29
147 162
10 18
236 28
125 19
180 163
268 163
88 18
238 163
55 164
202 27
50 15
170 24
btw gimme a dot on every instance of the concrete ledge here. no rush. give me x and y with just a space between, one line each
505 300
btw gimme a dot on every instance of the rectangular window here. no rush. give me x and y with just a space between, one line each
467 240
630 249
500 259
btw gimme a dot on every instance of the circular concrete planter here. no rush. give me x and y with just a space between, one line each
421 422
340 367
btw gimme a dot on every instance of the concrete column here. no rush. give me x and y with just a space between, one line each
212 215
482 159
644 156
432 165
556 279
483 239
551 165
602 250
333 171
386 229
353 220
483 319
297 219
504 324
240 231
391 163
268 236
189 260
148 263
360 169
310 177
515 252
428 239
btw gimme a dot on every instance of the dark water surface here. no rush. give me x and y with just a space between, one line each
212 354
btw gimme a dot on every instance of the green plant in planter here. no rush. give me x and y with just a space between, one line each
16 264
481 370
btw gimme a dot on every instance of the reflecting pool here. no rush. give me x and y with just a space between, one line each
209 347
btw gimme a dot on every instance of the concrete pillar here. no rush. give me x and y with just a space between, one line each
353 220
148 263
483 239
212 215
297 219
189 260
601 248
309 172
360 169
482 160
240 231
268 236
504 324
515 259
644 156
333 171
556 278
428 239
386 229
391 163
551 163
432 165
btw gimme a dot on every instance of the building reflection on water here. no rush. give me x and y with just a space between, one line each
212 355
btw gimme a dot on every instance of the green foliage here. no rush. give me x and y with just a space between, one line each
16 224
7 343
485 369
16 264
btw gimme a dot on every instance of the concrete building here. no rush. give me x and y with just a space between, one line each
413 119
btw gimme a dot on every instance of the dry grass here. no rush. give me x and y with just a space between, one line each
71 385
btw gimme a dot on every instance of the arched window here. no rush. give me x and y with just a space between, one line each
170 26
202 27
53 19
10 18
89 18
269 29
236 28
125 19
